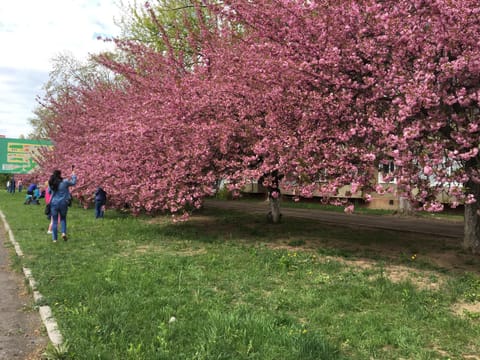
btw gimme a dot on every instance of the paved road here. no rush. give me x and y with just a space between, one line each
20 324
441 228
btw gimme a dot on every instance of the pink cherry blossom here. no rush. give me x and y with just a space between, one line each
349 209
319 91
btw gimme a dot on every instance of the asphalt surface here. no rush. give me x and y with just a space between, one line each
411 224
21 335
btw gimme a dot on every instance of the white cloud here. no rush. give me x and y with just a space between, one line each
32 33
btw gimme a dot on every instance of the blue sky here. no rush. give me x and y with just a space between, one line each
32 33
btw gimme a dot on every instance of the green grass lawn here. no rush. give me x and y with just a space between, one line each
239 289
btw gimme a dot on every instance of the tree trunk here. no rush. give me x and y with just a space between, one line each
274 215
274 195
471 237
405 206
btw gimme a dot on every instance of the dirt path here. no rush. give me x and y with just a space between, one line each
21 330
441 228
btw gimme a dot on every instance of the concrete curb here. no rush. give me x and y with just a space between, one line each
45 312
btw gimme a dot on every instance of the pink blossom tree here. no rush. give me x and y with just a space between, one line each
404 82
318 92
433 122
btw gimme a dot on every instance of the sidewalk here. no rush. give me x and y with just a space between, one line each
20 325
441 228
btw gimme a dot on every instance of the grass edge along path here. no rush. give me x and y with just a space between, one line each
227 286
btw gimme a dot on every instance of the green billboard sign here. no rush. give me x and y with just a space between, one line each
17 155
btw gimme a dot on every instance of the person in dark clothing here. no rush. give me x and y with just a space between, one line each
100 202
12 186
31 188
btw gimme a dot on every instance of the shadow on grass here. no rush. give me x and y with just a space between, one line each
214 225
